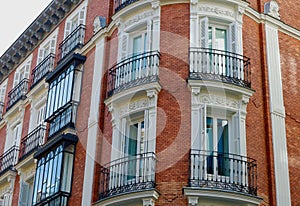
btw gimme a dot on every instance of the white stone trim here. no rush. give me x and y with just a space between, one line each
277 113
236 198
93 129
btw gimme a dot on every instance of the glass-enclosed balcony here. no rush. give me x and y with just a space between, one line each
134 71
9 159
17 93
74 40
217 65
128 174
223 171
42 69
32 141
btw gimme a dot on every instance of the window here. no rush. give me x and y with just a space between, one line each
6 199
22 72
47 48
52 184
13 137
78 18
26 189
218 35
3 91
60 91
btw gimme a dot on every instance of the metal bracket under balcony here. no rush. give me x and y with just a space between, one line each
128 174
223 171
73 41
32 141
217 65
42 69
9 159
134 71
120 4
17 93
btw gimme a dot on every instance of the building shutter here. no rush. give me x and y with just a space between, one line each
233 37
27 70
2 92
204 32
68 28
202 126
52 45
16 78
81 18
6 200
24 193
40 55
124 45
236 132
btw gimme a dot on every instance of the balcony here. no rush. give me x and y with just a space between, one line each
17 93
42 69
224 172
217 65
74 40
120 4
63 119
8 159
133 71
128 174
32 141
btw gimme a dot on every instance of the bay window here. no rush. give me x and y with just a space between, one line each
52 184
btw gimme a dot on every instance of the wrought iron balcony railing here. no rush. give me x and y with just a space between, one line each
132 173
224 66
74 40
120 4
32 141
42 69
63 119
1 110
17 93
223 171
9 159
133 71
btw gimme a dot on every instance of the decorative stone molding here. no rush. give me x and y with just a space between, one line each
99 23
193 201
194 2
137 18
219 100
155 4
133 106
272 9
148 202
216 11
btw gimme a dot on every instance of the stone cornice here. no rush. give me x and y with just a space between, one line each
37 31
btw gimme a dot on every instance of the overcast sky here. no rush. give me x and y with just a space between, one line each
15 17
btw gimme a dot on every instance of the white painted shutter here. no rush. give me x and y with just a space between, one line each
149 35
24 194
6 200
202 127
204 32
233 37
40 55
17 135
16 78
68 28
2 93
236 133
52 45
124 45
1 202
27 70
81 18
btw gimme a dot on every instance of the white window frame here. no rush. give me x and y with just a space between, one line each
34 112
23 69
78 16
50 42
3 87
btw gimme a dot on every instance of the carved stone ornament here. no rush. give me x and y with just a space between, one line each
137 18
219 100
134 106
272 9
194 2
193 201
99 23
216 10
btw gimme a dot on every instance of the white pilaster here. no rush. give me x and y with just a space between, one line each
93 125
277 116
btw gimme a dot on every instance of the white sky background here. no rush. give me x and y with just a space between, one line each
15 17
